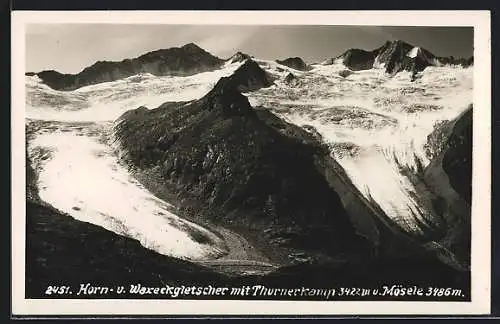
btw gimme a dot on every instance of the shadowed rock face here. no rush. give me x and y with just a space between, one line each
243 167
177 61
457 159
448 178
358 59
295 63
250 76
394 56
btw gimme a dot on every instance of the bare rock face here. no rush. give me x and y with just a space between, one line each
178 61
295 63
358 59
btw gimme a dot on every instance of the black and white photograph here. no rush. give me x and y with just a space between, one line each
256 160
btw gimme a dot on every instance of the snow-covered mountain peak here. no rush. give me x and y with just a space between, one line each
239 57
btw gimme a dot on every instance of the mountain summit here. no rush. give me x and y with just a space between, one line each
176 61
239 57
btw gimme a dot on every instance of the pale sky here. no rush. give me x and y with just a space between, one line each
68 48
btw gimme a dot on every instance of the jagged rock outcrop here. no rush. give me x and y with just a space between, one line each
295 63
177 61
290 79
457 61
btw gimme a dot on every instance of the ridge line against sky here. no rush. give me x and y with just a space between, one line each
69 48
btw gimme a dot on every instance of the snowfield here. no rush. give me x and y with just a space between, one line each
107 101
375 124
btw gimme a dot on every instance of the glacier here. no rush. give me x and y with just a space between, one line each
375 125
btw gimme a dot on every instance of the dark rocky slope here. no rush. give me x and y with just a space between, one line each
295 63
242 167
249 77
245 168
290 79
61 250
357 59
457 159
176 61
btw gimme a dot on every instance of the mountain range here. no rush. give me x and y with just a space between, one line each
190 59
395 56
273 151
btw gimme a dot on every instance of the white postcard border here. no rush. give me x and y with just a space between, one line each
481 246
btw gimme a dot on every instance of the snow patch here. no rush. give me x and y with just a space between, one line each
413 52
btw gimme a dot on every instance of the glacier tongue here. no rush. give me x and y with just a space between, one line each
79 175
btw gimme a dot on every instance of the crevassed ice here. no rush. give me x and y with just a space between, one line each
371 147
